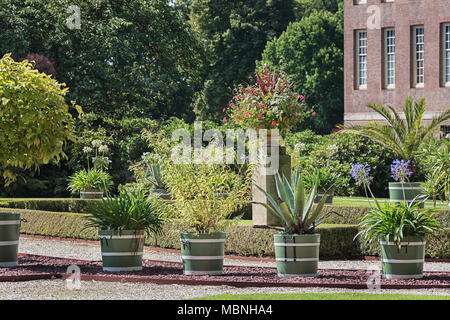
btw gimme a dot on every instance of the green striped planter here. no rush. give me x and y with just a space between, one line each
404 192
9 238
406 263
122 251
330 195
202 254
91 194
297 255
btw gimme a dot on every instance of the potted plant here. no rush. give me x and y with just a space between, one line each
93 182
400 228
148 175
297 246
202 214
123 221
9 238
403 190
325 185
90 183
269 104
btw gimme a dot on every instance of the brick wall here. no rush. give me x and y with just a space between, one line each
401 15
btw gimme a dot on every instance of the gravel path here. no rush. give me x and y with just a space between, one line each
91 252
91 290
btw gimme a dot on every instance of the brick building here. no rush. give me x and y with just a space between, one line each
394 49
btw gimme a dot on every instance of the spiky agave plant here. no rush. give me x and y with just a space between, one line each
294 206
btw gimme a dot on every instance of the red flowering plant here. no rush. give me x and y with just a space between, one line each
269 104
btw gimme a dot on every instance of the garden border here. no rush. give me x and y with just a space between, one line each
194 281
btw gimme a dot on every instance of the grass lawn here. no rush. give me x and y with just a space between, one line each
363 202
324 296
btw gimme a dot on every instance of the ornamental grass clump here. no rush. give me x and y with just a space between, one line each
127 211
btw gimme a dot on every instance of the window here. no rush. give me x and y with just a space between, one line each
419 56
361 61
446 54
445 132
360 1
389 59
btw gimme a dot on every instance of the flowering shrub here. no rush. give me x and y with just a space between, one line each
269 104
400 170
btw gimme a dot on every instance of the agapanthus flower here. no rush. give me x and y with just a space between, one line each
400 170
87 149
96 143
360 172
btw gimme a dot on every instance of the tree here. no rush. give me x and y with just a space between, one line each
303 8
311 52
235 34
35 121
134 58
402 136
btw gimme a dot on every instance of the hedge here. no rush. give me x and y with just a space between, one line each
336 240
56 205
350 215
79 206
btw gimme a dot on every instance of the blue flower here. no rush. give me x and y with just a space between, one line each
360 172
400 170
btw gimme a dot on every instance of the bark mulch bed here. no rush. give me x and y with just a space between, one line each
33 267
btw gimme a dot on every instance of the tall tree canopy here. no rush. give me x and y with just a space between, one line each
311 52
135 58
235 33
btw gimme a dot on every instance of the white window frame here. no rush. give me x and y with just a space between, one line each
389 58
361 59
446 54
360 2
419 56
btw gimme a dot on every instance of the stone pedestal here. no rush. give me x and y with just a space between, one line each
260 215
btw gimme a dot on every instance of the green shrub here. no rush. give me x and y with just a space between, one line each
338 154
54 205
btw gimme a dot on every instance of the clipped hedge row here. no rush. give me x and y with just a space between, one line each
56 205
352 215
336 240
80 206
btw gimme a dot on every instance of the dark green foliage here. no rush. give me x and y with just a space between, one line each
55 205
127 211
338 154
235 33
311 52
134 58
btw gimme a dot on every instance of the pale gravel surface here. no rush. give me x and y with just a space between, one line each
91 290
88 251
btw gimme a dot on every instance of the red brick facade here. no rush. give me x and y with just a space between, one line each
402 15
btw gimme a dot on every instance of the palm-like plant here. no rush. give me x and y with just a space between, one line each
401 135
294 207
128 211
